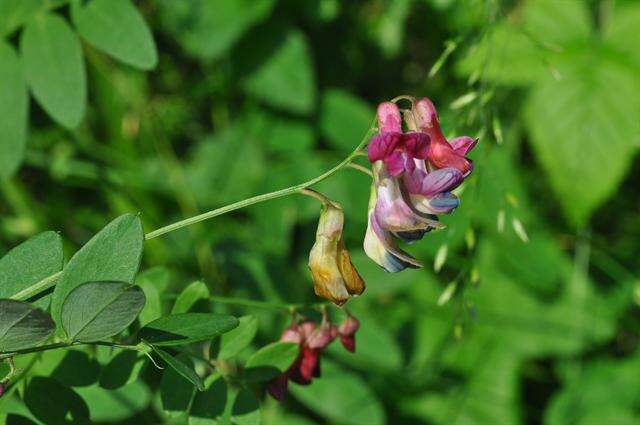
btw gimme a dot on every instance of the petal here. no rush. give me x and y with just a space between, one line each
442 203
419 182
380 246
442 155
426 117
348 342
309 363
323 258
353 281
389 119
382 145
392 211
395 163
416 145
463 144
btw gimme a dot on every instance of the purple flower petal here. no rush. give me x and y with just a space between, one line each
383 145
419 182
442 203
417 145
395 163
389 119
463 144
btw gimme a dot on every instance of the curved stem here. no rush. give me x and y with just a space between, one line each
361 168
261 198
36 288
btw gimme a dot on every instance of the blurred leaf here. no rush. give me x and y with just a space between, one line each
30 262
185 328
117 28
208 29
621 31
176 393
53 403
341 397
116 405
196 291
233 342
180 367
54 68
76 369
22 326
575 141
152 309
208 406
246 409
14 13
344 119
286 80
98 310
113 254
123 368
14 109
391 26
587 397
270 361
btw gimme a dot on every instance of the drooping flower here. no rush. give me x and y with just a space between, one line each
347 332
409 191
334 276
442 153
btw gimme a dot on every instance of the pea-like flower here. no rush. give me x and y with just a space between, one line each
347 332
334 276
410 190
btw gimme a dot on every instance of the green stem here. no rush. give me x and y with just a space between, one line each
37 288
57 345
262 304
264 197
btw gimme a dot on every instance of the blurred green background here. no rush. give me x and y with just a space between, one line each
540 261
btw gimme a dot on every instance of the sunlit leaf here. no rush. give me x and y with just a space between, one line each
185 328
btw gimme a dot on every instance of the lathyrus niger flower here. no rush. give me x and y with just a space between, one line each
334 276
414 174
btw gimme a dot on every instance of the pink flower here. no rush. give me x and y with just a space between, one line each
347 332
442 153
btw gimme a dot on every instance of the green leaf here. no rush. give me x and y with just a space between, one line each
185 328
152 309
118 29
22 326
285 79
246 409
98 310
621 32
15 13
344 119
76 369
117 405
182 369
111 255
341 397
55 404
590 141
233 342
176 393
30 262
271 360
209 406
14 111
54 68
193 293
124 368
209 29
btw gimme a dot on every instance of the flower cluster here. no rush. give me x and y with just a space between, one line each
414 171
312 339
414 174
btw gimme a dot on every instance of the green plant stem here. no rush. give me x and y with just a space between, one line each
263 304
57 345
264 197
37 288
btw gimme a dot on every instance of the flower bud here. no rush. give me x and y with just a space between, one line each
291 334
334 276
347 332
322 336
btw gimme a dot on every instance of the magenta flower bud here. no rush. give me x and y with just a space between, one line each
306 328
291 334
389 119
350 326
322 336
309 365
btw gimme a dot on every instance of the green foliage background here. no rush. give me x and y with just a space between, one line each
189 105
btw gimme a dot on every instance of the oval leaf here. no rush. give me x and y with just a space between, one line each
111 255
271 360
178 329
54 68
193 293
176 393
185 371
54 403
238 339
28 263
117 28
22 326
14 111
98 310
